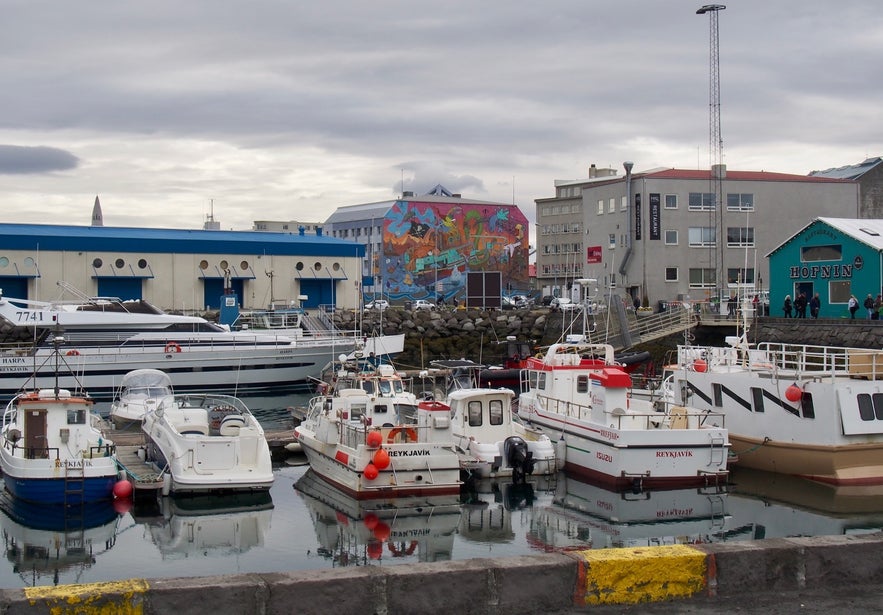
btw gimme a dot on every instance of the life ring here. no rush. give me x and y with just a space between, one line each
396 552
410 434
173 347
73 353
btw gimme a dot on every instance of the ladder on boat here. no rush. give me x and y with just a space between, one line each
74 485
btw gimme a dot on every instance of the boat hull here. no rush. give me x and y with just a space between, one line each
44 480
417 469
216 370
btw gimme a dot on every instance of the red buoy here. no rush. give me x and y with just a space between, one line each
370 472
370 521
382 532
122 489
793 393
374 439
700 365
375 549
381 459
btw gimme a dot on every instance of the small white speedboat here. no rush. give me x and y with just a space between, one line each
140 391
207 443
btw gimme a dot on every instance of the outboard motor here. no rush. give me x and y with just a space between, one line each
519 458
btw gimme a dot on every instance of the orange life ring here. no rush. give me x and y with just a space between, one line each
173 347
396 552
73 353
410 434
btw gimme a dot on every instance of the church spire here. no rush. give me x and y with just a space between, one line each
97 219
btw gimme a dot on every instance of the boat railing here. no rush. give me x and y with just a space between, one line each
355 434
106 449
673 417
821 361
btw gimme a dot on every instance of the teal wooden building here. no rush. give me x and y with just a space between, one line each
834 257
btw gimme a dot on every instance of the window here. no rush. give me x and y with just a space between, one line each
701 200
600 206
701 236
740 237
624 203
671 237
582 384
740 202
495 412
473 412
839 291
671 201
702 278
76 417
740 276
612 240
671 274
611 207
821 253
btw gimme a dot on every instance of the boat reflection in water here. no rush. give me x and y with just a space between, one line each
579 515
488 505
50 544
209 526
353 532
768 505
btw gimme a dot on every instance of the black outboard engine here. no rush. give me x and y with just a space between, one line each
519 458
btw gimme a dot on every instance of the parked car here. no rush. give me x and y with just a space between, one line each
377 304
521 301
508 303
565 304
423 304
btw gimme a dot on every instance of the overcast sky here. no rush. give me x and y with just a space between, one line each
285 110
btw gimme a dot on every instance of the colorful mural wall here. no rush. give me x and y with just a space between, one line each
428 248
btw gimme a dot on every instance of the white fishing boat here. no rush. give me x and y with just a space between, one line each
52 450
492 443
207 443
578 394
812 411
375 439
140 391
107 338
353 532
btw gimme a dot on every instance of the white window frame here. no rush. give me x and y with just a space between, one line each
671 243
666 201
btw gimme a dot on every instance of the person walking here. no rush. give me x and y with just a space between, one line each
869 305
815 304
853 306
800 305
731 306
787 307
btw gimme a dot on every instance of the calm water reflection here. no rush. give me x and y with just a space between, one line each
305 524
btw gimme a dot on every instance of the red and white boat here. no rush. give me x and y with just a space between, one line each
376 440
578 395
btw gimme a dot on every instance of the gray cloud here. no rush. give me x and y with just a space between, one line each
18 160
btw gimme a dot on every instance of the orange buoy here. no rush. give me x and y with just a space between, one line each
381 459
370 472
374 439
793 393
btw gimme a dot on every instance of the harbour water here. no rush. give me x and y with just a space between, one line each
305 524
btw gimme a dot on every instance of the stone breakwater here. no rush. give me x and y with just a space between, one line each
456 334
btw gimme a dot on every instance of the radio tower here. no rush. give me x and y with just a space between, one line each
715 141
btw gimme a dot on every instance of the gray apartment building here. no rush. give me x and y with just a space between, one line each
661 235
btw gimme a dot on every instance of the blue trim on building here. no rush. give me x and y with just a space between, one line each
47 237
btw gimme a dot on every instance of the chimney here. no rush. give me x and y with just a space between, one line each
592 171
719 171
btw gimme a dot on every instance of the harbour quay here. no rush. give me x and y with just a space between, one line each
718 577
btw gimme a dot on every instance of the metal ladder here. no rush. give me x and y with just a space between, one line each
74 485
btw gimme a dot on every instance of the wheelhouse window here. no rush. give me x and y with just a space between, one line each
76 417
473 413
495 412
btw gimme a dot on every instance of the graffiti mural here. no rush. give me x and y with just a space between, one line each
428 248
